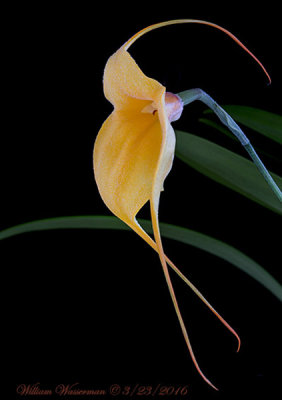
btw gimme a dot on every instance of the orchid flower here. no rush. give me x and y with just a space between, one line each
134 149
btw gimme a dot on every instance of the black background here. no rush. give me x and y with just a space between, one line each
93 307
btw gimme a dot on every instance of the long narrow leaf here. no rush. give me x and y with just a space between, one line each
227 168
261 121
187 236
219 127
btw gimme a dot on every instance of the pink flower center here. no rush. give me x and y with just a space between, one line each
174 106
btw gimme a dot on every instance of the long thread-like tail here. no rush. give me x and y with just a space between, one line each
195 21
172 294
137 228
164 261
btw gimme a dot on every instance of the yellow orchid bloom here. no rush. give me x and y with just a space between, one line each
134 150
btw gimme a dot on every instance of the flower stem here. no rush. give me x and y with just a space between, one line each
188 96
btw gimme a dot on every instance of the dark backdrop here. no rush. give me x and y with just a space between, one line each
93 307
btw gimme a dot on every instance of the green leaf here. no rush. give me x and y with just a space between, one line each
227 168
261 121
219 127
183 235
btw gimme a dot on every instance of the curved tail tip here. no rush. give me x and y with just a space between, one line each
214 387
239 343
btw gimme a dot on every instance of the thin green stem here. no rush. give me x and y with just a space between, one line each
249 148
188 96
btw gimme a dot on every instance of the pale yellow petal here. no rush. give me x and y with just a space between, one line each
125 83
126 156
